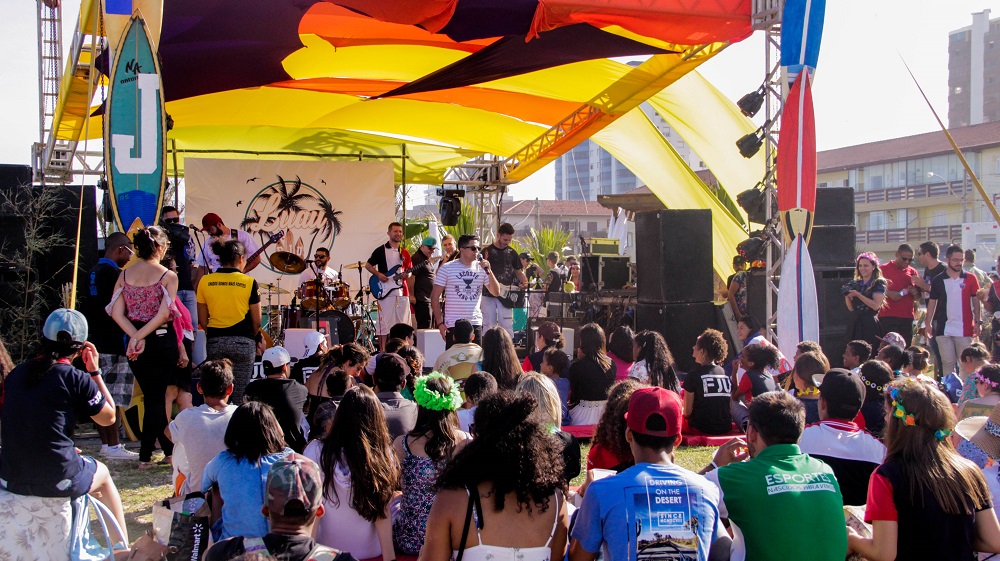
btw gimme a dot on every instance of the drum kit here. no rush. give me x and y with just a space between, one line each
323 304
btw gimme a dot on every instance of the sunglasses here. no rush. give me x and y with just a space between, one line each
472 247
171 220
318 256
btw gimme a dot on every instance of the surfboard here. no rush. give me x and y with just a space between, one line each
796 166
135 130
798 310
801 35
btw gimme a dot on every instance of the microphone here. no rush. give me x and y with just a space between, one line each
193 227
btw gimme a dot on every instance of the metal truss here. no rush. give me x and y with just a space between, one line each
484 181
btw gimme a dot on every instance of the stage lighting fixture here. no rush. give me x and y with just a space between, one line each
754 202
751 103
750 144
752 249
451 207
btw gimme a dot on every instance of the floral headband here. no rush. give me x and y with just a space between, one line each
908 418
986 381
871 384
869 256
434 400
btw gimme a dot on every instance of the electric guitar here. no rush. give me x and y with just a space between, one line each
511 296
382 290
270 241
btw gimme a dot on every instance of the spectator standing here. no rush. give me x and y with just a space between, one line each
739 265
548 336
707 389
865 300
500 358
875 375
952 311
147 291
478 387
229 307
736 290
613 506
969 264
590 376
925 501
199 433
109 339
778 487
897 314
513 465
621 351
610 449
400 413
462 282
856 353
286 397
360 475
421 453
852 453
654 363
461 359
239 473
991 302
933 267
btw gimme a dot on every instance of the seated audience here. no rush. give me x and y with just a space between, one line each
514 468
983 433
337 384
286 397
855 354
360 475
637 495
422 453
477 387
925 501
895 357
707 388
590 376
554 365
390 377
784 380
548 336
609 449
917 361
315 351
987 381
461 359
415 360
805 390
199 433
764 492
43 399
621 350
294 502
875 375
545 393
253 443
350 357
971 360
756 360
500 358
852 453
654 364
894 339
402 331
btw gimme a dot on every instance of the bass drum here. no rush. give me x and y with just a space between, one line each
337 325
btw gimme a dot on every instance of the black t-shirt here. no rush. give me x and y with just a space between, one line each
104 332
183 251
287 397
36 426
929 274
423 278
280 546
303 368
504 263
588 381
711 389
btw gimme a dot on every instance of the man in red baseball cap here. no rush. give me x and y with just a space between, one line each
666 508
217 230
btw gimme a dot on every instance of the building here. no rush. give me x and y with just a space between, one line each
579 218
588 170
974 72
914 189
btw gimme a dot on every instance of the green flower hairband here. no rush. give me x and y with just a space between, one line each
908 418
433 400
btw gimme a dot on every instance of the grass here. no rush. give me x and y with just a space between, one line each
140 489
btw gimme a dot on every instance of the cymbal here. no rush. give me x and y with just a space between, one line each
273 289
287 262
357 265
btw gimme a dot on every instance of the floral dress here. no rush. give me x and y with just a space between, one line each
410 527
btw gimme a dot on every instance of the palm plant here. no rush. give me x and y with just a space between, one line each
466 222
540 242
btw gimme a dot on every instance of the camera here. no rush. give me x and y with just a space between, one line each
851 285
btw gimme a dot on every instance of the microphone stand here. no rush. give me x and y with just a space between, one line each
200 247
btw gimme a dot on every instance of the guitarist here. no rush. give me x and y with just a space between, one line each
396 307
506 266
208 261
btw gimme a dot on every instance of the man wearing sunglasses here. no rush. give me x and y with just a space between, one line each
462 281
183 251
320 264
897 314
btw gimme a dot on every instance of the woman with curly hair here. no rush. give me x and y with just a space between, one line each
925 501
422 453
415 360
864 298
590 376
654 364
707 388
609 450
514 469
500 358
549 406
350 357
360 477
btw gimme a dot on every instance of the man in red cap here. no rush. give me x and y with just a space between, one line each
655 507
208 262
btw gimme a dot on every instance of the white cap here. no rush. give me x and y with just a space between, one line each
275 357
312 341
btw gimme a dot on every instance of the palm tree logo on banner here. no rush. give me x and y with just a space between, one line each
308 219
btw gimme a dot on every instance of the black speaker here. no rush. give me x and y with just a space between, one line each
834 207
674 256
680 325
13 175
833 312
756 296
602 272
834 341
832 246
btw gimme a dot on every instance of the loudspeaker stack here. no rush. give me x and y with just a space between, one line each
675 278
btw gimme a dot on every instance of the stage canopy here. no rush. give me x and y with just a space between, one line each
449 80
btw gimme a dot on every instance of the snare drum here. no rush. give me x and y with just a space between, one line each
339 294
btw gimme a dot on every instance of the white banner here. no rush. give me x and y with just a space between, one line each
305 200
